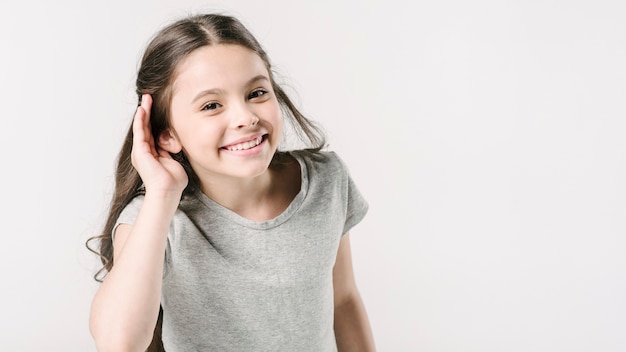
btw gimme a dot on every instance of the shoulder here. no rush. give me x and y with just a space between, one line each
323 162
330 181
325 172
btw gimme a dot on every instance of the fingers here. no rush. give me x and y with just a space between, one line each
141 124
138 121
146 103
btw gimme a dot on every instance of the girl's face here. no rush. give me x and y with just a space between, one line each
224 114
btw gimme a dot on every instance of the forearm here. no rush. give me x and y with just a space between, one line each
352 327
126 306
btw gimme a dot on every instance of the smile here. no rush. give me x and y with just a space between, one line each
245 145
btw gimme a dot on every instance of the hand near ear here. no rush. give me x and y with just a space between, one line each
158 171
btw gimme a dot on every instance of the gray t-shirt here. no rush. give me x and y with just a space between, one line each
233 284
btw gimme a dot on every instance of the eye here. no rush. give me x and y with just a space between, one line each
211 106
257 93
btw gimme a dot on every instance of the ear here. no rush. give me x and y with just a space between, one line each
169 142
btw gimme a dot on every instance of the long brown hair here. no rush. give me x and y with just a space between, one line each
155 77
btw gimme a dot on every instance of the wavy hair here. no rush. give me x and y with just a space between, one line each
155 76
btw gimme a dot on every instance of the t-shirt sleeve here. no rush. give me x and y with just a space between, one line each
356 205
129 214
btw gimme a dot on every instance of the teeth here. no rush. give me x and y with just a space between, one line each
246 145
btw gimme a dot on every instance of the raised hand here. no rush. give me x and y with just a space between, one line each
158 171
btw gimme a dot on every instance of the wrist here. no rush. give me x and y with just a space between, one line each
164 197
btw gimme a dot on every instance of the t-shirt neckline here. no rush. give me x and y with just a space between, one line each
278 220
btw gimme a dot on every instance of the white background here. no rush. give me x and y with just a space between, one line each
488 137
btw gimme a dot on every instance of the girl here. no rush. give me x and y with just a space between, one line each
214 236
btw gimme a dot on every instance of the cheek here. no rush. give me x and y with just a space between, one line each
275 116
199 137
280 120
277 127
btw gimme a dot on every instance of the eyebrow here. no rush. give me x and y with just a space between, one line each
218 91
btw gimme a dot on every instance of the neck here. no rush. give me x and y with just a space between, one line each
259 198
252 198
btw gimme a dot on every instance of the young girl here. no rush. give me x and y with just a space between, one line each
214 237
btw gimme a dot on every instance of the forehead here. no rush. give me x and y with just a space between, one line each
218 66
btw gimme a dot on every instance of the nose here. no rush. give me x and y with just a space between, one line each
243 116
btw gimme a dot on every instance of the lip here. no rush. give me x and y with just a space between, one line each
256 150
244 139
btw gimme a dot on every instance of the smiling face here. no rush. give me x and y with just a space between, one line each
224 114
